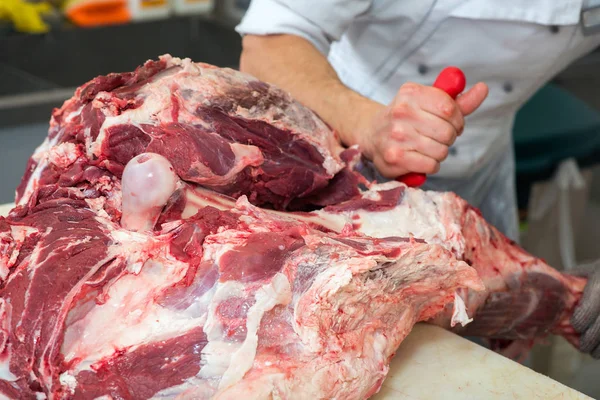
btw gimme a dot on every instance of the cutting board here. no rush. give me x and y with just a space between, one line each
5 208
433 364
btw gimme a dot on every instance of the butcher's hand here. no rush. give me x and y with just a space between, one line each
414 133
586 316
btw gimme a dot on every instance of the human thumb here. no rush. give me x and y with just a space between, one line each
470 101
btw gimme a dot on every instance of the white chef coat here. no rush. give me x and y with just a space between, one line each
375 46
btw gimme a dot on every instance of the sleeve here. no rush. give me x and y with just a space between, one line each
319 21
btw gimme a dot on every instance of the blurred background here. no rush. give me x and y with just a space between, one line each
48 48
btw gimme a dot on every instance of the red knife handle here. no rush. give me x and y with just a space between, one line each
452 81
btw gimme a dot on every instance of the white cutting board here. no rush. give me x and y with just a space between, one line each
5 208
434 364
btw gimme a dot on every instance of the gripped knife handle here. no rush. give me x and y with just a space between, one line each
452 81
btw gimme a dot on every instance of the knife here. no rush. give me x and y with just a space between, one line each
452 81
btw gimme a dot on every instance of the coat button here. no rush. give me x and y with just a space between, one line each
452 151
508 87
554 29
423 69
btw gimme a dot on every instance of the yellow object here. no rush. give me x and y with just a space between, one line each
26 17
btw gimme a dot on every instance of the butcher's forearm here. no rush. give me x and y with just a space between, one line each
295 65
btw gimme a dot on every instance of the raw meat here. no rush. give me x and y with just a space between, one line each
524 297
221 129
139 265
228 302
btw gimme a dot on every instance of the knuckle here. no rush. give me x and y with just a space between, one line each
390 155
401 109
410 88
447 109
399 134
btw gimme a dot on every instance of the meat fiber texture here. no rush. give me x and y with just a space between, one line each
189 232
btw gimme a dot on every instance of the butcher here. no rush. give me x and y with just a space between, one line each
366 67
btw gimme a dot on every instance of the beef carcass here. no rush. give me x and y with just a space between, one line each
138 265
524 297
223 304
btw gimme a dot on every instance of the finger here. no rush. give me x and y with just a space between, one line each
436 128
424 125
410 139
589 306
590 338
397 161
470 101
431 148
429 99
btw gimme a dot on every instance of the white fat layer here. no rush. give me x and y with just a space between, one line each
270 385
380 344
68 381
94 337
45 369
459 315
276 292
156 98
217 353
63 155
74 114
97 206
134 246
18 234
198 198
5 315
417 215
229 289
217 245
216 358
5 373
192 388
330 281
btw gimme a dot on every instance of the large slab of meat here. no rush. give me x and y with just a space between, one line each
188 232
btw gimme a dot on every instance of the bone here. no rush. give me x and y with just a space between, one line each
148 182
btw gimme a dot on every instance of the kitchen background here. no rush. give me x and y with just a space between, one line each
47 49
